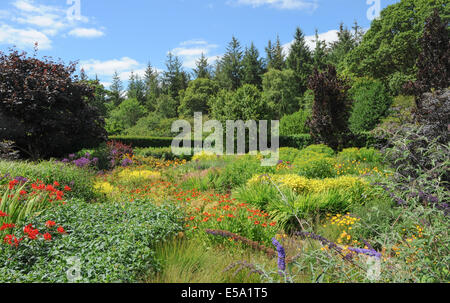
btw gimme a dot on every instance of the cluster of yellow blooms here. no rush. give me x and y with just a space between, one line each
355 167
104 187
304 185
128 174
204 156
151 162
346 223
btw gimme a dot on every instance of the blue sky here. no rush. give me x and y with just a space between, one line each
109 35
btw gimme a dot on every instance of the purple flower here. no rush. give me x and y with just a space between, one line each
82 162
21 179
87 155
281 254
65 160
126 162
368 252
72 156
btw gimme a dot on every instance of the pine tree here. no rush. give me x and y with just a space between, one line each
175 78
229 69
270 54
203 69
252 67
152 89
340 48
136 88
320 55
116 90
300 61
275 56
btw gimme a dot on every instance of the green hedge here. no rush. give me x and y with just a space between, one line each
143 141
296 141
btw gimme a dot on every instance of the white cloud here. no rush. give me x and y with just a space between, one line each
280 4
125 76
86 32
190 51
108 67
328 37
28 21
23 37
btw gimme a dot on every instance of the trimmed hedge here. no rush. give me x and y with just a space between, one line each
143 141
361 139
296 141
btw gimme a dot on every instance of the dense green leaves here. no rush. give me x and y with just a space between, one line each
371 103
113 243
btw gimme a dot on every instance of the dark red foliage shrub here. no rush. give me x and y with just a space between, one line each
331 108
434 60
118 152
44 109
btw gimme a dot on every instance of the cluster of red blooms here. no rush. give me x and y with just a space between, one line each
30 232
54 193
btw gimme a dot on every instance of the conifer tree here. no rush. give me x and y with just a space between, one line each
152 89
229 69
116 90
202 69
252 67
300 61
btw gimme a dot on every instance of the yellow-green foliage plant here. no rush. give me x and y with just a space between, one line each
302 185
204 156
365 155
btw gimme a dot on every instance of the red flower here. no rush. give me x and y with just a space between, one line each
67 188
32 233
23 193
6 226
56 183
47 236
2 214
256 222
61 230
12 184
273 224
50 224
50 188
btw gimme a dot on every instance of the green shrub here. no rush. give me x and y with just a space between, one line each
296 141
289 154
315 165
317 149
295 123
114 243
137 141
259 195
370 155
162 153
372 102
79 179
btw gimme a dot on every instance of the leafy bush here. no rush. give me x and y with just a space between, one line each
331 108
295 123
114 243
152 125
370 155
46 109
289 154
296 141
317 149
80 180
163 153
372 102
139 141
125 116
